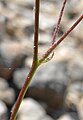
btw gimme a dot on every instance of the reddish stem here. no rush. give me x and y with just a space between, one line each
59 20
34 65
48 52
22 92
36 29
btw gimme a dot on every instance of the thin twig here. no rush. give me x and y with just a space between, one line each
48 52
22 92
58 23
56 29
34 65
36 28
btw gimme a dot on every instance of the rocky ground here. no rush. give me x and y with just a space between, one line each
56 90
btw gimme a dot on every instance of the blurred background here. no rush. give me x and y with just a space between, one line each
56 90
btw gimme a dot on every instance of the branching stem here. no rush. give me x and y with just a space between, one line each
49 51
36 63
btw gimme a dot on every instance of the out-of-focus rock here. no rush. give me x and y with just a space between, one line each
28 62
74 8
78 34
74 97
49 85
69 116
13 49
3 111
6 72
74 90
15 28
48 23
32 110
20 76
44 39
74 93
2 27
8 97
21 2
80 108
3 84
13 55
75 69
7 94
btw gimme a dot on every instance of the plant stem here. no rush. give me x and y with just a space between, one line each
22 92
36 29
56 29
34 64
58 23
48 52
